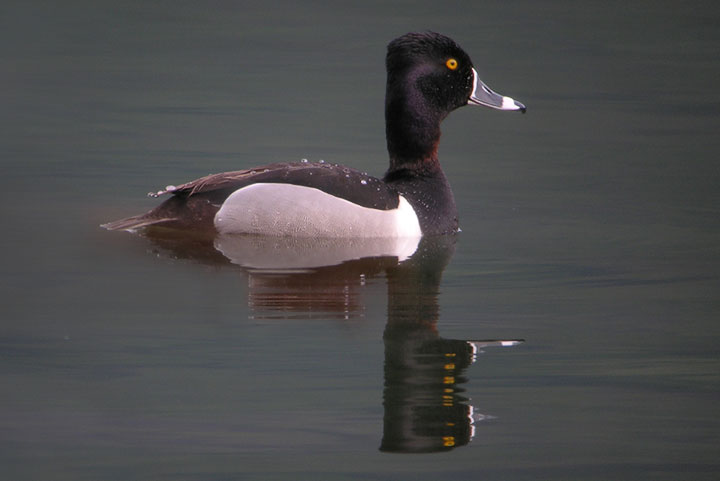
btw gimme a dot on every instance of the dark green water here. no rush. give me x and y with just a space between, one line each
590 230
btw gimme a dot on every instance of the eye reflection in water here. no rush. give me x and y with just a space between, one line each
424 406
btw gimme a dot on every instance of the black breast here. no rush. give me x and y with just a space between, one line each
431 197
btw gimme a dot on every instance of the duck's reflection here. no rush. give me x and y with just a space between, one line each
291 277
424 406
294 277
425 409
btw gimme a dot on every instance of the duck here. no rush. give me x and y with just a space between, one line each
428 76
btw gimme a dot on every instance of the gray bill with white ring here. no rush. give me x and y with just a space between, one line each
484 95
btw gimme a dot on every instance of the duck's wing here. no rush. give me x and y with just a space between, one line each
194 204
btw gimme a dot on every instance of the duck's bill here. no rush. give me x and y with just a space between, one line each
484 95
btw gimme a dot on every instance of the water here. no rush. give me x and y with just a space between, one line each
590 230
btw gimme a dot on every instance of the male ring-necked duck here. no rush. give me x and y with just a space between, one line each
428 76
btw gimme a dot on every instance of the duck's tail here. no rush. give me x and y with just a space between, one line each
136 222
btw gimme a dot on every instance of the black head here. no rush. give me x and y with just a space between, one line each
429 76
433 65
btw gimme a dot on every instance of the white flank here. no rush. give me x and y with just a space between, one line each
292 210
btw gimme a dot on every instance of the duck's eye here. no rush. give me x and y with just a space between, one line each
451 63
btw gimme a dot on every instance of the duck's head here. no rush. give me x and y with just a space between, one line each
429 76
442 72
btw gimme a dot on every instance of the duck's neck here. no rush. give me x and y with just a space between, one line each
412 129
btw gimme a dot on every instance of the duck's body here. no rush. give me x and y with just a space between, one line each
428 77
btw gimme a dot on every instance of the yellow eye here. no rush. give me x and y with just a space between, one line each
451 63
